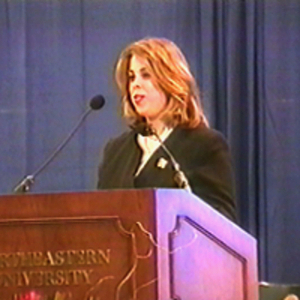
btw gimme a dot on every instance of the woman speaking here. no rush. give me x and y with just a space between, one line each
169 143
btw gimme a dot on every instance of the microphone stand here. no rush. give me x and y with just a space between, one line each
179 177
25 185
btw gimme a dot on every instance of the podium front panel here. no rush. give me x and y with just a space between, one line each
121 245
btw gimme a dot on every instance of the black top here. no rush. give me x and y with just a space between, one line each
203 156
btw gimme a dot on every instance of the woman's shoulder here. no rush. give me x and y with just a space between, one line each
120 139
202 134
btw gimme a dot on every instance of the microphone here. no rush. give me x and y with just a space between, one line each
179 177
96 103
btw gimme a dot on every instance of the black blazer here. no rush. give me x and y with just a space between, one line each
203 156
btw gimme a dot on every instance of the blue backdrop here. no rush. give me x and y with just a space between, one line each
56 54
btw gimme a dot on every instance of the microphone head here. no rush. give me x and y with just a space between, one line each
97 102
144 129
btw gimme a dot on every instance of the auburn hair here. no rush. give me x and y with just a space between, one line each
171 73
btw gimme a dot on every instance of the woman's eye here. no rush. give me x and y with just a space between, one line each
146 75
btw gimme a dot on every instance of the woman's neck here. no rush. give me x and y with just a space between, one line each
157 125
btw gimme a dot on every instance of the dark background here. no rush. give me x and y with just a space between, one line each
57 54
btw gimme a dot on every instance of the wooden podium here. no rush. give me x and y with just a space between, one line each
156 244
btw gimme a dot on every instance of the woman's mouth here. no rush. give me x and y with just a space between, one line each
138 99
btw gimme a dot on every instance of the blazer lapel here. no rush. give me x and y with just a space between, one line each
158 171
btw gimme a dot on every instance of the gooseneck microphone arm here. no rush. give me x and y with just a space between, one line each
27 182
24 186
179 177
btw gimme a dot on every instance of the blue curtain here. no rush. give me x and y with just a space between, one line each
57 54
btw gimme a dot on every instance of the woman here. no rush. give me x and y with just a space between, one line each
159 93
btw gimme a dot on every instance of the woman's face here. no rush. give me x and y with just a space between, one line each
147 98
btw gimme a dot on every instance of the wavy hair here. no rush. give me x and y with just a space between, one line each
171 74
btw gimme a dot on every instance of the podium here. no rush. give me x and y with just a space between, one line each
147 244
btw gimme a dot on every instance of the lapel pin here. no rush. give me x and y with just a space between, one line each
161 163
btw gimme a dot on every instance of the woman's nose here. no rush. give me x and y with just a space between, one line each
137 81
